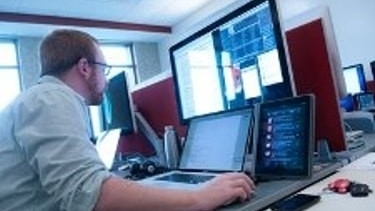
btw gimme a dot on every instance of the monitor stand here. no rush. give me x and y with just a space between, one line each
324 153
151 136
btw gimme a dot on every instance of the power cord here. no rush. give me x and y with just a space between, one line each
351 139
346 125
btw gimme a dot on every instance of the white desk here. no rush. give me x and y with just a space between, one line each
353 155
362 171
366 162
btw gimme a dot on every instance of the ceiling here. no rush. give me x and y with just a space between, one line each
105 19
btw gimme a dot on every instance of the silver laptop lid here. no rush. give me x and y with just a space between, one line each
217 142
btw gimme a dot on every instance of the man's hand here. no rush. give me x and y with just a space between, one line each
225 189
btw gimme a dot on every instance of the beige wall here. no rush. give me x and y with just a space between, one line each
147 61
29 60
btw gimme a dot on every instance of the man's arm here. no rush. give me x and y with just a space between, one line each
119 194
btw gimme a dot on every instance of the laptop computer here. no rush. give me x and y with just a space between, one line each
214 144
106 145
284 138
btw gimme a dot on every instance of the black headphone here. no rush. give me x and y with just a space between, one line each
143 169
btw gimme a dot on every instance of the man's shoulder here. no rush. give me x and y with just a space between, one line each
48 90
40 95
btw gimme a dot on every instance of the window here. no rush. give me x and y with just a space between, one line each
120 57
9 72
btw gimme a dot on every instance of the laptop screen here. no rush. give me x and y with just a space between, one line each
217 142
284 138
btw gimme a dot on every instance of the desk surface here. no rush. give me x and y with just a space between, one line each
349 156
269 192
366 162
361 171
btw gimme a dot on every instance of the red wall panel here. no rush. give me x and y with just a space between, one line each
312 74
157 103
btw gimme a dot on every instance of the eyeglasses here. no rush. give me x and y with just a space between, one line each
106 68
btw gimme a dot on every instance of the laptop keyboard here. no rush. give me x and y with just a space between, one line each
186 178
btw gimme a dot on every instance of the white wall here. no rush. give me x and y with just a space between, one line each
201 18
353 23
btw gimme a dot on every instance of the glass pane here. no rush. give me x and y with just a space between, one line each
8 55
9 86
117 55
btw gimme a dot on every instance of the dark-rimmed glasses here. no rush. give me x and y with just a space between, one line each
106 68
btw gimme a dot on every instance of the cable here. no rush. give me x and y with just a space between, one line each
356 145
346 125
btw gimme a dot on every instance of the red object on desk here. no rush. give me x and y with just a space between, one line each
340 186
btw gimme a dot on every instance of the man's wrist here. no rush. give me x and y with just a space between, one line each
196 201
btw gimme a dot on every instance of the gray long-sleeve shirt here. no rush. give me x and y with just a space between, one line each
47 162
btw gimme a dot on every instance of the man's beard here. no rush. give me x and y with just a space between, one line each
96 97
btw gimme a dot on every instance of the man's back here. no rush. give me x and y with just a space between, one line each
17 177
46 158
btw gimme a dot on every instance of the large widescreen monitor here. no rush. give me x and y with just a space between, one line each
233 63
355 81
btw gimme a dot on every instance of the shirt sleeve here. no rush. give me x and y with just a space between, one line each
52 131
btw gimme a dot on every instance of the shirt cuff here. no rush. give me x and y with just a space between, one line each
86 195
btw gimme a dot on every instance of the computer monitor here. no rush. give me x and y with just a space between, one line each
355 81
117 110
365 101
233 63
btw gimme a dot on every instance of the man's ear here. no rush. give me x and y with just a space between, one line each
84 68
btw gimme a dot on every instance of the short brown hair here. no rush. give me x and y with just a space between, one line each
63 48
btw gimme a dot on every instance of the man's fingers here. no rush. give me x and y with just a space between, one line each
246 187
242 176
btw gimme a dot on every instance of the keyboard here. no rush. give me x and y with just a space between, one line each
186 178
354 134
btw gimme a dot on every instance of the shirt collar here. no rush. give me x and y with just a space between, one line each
54 80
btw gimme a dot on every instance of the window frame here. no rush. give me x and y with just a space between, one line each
133 73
